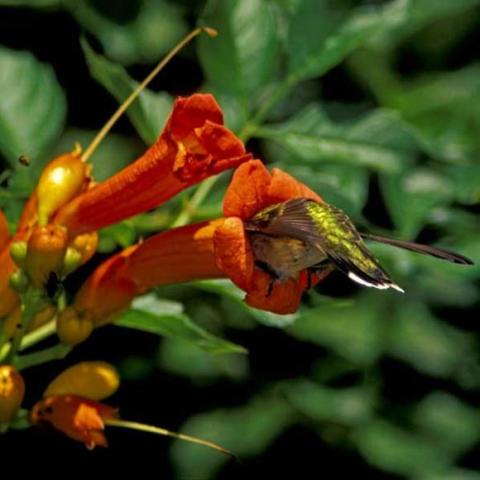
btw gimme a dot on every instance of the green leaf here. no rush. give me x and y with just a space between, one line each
321 36
149 111
243 56
352 331
398 451
179 358
454 425
416 15
142 37
347 406
428 344
226 288
379 140
165 318
412 196
247 431
30 3
444 109
466 182
32 105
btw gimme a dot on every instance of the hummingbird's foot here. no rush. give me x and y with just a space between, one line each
273 275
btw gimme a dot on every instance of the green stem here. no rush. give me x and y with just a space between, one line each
56 352
197 198
38 335
32 301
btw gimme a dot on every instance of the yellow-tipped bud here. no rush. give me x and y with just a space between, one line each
86 244
92 380
73 260
12 391
72 328
18 252
19 281
61 180
45 254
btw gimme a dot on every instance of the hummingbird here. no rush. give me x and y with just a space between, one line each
303 234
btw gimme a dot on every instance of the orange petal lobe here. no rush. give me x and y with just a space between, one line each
284 187
248 190
284 298
233 252
192 112
79 418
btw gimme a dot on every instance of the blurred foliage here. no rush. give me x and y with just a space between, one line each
400 153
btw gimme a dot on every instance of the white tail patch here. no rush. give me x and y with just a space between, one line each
379 286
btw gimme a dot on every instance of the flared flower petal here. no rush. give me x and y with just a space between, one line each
193 146
77 417
252 189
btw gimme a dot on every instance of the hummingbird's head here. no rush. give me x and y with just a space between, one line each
263 219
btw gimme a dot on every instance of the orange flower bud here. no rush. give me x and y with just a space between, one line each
93 380
12 390
45 254
73 328
61 181
86 244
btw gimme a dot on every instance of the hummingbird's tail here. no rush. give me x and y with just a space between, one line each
417 247
365 271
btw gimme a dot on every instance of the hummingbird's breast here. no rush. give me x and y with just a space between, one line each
284 256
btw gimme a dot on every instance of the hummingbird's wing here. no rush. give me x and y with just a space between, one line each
417 247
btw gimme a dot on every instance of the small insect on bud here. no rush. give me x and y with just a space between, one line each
18 252
93 380
72 328
19 281
12 390
61 180
45 253
24 160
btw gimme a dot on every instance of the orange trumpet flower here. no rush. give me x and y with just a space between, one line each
215 249
193 146
174 256
77 417
252 189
